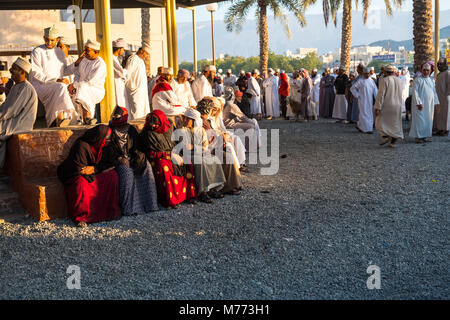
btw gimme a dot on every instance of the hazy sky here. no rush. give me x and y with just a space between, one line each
202 14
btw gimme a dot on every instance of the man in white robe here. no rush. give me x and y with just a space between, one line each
137 84
202 86
255 91
365 90
272 102
424 100
315 78
229 80
120 74
48 77
405 77
18 112
164 98
183 90
388 108
88 87
443 92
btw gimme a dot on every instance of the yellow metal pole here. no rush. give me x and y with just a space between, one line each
173 22
79 28
194 39
436 36
169 34
103 30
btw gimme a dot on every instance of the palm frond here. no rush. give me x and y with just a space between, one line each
236 14
279 15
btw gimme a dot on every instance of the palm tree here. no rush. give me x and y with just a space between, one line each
145 34
423 32
330 8
236 14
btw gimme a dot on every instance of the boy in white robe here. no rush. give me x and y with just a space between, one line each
88 87
365 90
18 112
48 77
137 84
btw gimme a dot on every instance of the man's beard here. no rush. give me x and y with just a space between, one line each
210 78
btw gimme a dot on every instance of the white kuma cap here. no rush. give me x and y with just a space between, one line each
94 45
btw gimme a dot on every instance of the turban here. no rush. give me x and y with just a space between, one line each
255 71
277 70
167 71
366 70
209 68
229 71
342 68
372 69
120 43
194 115
94 45
146 48
389 68
430 65
184 72
23 64
119 117
314 70
238 93
242 72
229 94
270 71
205 106
51 32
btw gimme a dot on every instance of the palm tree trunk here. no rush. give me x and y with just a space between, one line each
346 37
263 37
145 31
423 32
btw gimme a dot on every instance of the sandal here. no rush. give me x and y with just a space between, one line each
204 198
216 194
234 192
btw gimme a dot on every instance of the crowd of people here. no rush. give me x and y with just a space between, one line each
198 127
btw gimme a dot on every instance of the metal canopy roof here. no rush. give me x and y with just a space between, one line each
89 4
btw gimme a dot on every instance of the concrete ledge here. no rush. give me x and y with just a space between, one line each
32 159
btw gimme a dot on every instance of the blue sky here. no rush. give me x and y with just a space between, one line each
202 14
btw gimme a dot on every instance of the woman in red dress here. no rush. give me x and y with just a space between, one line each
92 191
174 180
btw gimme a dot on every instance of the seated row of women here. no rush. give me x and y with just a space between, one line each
114 170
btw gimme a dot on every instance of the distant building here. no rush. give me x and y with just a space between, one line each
300 53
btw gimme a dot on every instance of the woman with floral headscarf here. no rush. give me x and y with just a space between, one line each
137 190
92 189
424 101
174 179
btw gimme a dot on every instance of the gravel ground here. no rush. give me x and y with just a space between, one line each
338 204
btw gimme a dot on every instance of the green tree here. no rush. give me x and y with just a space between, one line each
236 14
377 64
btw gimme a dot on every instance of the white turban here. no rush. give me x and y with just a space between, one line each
277 70
229 71
167 71
23 64
194 115
146 48
255 71
94 45
209 68
270 71
372 69
51 32
120 43
426 66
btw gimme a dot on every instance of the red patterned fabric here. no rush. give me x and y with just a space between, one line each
161 86
163 124
93 202
172 189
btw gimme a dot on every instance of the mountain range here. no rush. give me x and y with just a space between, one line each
398 28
